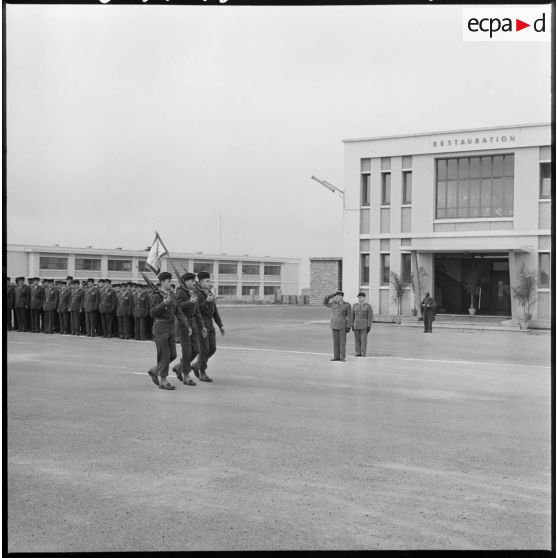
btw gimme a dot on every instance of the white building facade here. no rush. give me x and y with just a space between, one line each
235 277
441 208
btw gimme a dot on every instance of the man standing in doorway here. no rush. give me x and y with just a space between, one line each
341 323
362 322
428 307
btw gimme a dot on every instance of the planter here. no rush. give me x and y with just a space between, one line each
523 326
413 311
472 311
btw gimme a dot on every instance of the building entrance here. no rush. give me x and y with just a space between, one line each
482 280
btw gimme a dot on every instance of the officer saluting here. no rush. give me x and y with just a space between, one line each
362 322
341 323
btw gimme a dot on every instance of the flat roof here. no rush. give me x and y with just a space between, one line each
506 127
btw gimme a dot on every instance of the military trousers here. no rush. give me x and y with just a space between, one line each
9 321
35 320
64 318
124 327
21 314
76 322
208 347
165 341
106 323
361 340
49 321
339 343
140 328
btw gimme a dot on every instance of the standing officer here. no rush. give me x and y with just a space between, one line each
50 305
188 328
341 322
64 297
76 307
107 307
146 313
90 306
209 313
10 301
115 325
362 322
22 295
428 307
163 310
37 294
124 311
141 302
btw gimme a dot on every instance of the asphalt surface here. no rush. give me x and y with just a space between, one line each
435 441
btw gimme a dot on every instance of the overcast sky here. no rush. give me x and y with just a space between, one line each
126 119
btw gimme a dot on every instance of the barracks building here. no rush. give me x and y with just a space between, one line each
442 208
235 278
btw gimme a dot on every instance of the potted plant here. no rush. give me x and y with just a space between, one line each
525 293
471 285
398 292
414 297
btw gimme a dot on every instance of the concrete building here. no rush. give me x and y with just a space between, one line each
325 278
235 277
447 207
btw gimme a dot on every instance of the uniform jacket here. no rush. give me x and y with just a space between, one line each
140 303
428 304
124 303
107 301
91 299
362 315
341 314
64 297
208 311
191 310
161 311
146 303
22 295
10 296
37 295
51 299
76 300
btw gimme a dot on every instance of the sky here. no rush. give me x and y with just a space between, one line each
123 120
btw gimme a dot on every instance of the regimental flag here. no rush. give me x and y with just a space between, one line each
157 252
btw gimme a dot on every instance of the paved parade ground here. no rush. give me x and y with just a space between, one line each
437 441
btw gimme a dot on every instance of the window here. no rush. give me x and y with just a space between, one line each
365 189
365 269
407 162
407 187
474 187
544 270
203 266
142 266
386 163
250 269
52 262
385 268
227 290
546 181
272 270
247 288
120 265
386 188
406 267
268 290
227 268
87 264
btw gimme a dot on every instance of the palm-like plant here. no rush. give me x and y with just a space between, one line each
398 291
525 291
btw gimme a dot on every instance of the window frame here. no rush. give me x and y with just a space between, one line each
88 260
56 268
384 277
542 285
386 189
121 261
404 189
546 164
365 269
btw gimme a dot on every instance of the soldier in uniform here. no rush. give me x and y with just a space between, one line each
90 305
107 307
76 307
22 296
10 300
116 325
341 322
124 311
64 296
146 313
50 305
164 310
209 313
138 313
362 322
37 294
188 328
428 307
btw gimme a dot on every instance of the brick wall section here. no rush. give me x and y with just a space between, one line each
325 278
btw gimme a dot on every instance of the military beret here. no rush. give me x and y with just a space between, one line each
188 276
129 283
20 278
107 280
340 293
69 278
164 275
361 294
203 275
91 280
75 282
